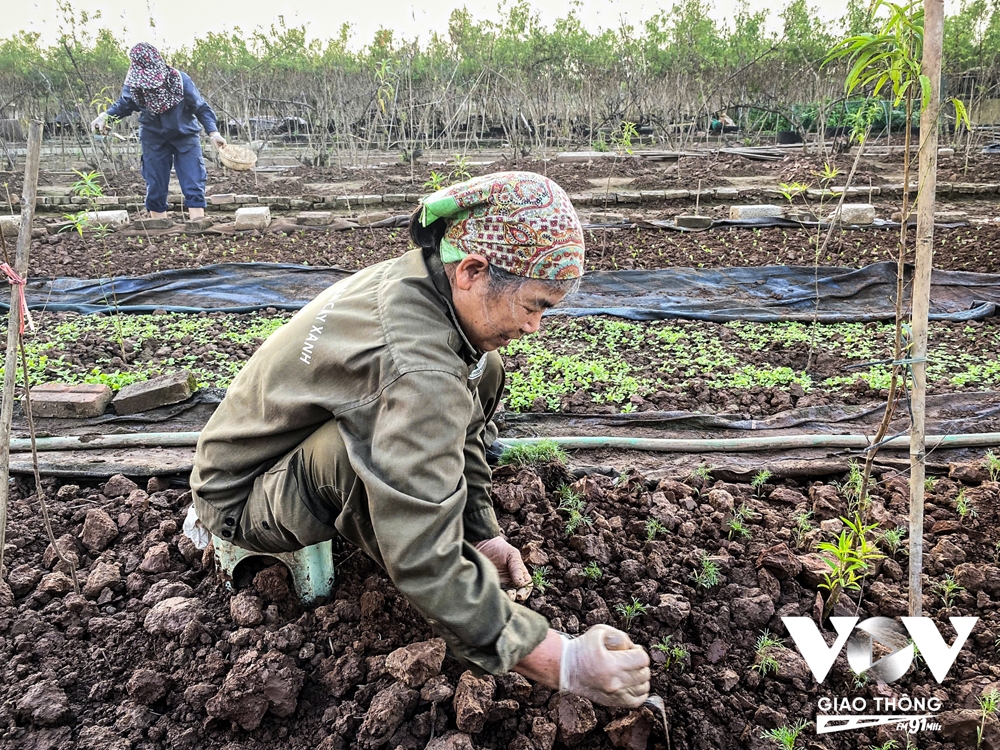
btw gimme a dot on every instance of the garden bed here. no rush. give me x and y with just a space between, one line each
156 654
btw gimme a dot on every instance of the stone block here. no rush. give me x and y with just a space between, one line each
277 202
818 194
218 200
951 217
148 224
61 401
413 198
395 198
247 200
150 394
606 218
945 152
801 215
10 225
690 221
192 226
314 218
965 188
987 189
112 219
253 217
351 201
764 211
106 200
175 200
299 204
629 196
723 193
372 217
856 213
671 195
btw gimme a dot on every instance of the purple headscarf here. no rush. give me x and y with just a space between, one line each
155 86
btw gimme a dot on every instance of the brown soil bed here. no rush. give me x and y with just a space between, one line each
972 248
157 654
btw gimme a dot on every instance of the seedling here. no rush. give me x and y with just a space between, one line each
929 483
436 181
849 559
592 571
708 574
572 503
702 472
630 611
654 527
947 590
828 173
461 170
964 506
759 480
993 465
802 526
852 488
988 705
539 579
87 186
893 539
786 736
764 662
887 745
791 190
737 528
675 655
532 454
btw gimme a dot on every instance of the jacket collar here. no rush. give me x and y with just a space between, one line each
436 272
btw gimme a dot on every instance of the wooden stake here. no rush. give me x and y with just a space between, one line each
14 320
930 67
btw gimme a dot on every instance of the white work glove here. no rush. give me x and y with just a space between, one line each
604 666
514 577
99 122
217 139
194 531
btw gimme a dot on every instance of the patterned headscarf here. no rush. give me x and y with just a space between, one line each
155 86
520 221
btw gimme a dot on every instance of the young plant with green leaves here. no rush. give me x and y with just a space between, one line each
654 527
539 578
947 589
436 181
628 612
592 571
893 539
787 735
803 526
964 506
849 558
674 654
992 461
988 705
759 481
532 454
764 661
708 574
572 503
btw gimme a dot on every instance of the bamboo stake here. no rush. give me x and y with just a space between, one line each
930 67
14 320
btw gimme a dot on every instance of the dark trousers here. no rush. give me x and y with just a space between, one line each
185 157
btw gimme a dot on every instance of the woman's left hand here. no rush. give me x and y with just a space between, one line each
217 139
507 560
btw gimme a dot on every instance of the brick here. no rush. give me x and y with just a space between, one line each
302 205
818 194
765 211
856 213
61 401
108 218
944 152
150 394
606 218
314 218
218 200
629 196
106 200
987 188
349 201
372 217
277 202
690 221
10 225
148 224
248 199
950 217
724 193
197 225
395 198
253 217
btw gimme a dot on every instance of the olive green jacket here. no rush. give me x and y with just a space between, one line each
382 353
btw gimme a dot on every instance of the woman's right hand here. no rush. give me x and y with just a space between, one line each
99 122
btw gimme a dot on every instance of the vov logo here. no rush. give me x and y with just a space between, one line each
921 632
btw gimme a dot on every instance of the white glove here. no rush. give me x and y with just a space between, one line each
514 577
99 122
604 666
217 139
194 531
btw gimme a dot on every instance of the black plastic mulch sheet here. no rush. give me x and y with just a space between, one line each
761 294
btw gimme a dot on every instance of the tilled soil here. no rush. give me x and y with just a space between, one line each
155 653
968 248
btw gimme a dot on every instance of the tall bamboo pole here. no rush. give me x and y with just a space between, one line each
14 319
930 67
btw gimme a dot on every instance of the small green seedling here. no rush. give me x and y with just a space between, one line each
893 539
993 465
572 503
988 705
708 574
964 506
436 182
702 472
849 559
764 662
630 611
759 480
947 590
852 488
929 483
532 454
592 571
654 527
887 745
786 736
802 526
737 528
675 655
539 578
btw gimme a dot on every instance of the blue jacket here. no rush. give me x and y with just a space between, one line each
180 122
